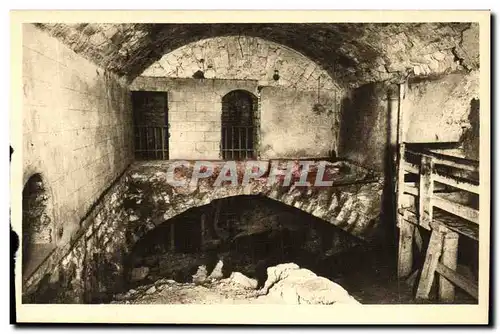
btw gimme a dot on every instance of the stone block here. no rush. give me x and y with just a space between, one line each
207 126
240 279
182 126
204 106
177 116
203 147
188 136
138 274
187 106
196 116
214 136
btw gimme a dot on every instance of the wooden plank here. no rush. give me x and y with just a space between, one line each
453 153
457 209
459 280
399 184
406 229
409 189
401 118
426 189
453 223
412 168
431 261
418 239
405 250
449 259
449 163
461 184
412 278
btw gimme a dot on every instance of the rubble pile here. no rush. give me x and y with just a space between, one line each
285 284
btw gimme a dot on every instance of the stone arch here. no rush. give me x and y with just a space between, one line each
152 204
243 58
239 125
253 228
355 207
38 231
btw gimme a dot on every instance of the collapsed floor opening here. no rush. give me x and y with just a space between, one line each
249 234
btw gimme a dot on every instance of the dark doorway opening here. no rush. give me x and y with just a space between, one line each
239 111
150 125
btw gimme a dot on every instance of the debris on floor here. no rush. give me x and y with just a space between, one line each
286 284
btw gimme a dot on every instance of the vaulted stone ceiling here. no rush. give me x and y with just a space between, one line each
353 53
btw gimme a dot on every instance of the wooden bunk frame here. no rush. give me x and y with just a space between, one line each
429 175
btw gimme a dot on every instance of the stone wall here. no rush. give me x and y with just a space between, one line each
352 203
365 128
294 126
290 126
194 112
435 110
438 110
90 266
77 127
243 58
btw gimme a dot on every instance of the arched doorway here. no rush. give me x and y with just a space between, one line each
239 130
37 225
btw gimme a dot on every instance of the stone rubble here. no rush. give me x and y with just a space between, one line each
296 285
244 281
138 274
287 284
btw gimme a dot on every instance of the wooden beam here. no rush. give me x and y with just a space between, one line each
405 251
411 168
409 189
449 163
400 177
459 280
431 261
418 239
426 189
457 209
446 162
449 259
461 184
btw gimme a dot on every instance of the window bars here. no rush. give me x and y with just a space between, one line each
151 142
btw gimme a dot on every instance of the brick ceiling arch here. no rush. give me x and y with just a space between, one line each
353 53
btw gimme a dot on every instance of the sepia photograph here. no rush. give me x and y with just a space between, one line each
263 166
